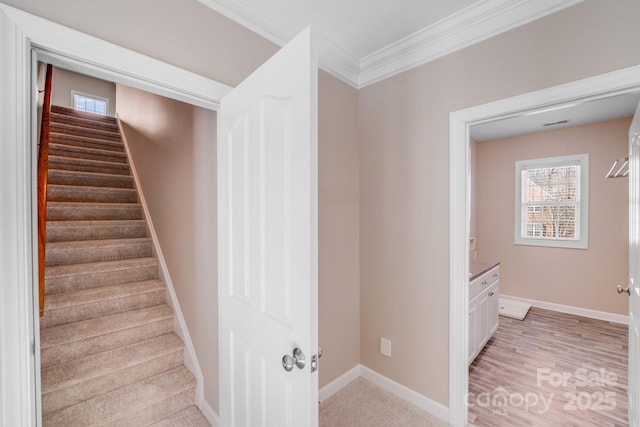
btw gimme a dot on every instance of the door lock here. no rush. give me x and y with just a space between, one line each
297 359
621 290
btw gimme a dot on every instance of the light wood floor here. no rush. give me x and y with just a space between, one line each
552 369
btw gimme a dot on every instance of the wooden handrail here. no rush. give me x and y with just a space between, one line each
43 169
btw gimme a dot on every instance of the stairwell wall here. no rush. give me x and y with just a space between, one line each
64 81
173 148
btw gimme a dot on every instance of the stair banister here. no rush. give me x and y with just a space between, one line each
43 167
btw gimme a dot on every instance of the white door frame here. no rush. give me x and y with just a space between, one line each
601 86
20 35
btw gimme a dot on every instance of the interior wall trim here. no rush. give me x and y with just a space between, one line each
338 384
578 311
410 396
209 413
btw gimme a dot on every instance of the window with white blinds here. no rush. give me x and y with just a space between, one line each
552 201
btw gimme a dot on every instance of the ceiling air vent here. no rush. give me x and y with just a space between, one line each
561 122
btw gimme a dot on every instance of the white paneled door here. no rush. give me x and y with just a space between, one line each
634 273
267 221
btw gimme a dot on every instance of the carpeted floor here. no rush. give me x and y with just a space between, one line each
363 404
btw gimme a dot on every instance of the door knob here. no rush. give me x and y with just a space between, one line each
621 290
297 359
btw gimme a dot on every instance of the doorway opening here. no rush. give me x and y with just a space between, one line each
598 87
27 39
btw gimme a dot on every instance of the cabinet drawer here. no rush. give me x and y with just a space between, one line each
484 281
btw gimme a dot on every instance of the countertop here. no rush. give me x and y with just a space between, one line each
478 268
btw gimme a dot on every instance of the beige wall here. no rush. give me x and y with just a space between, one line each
64 81
338 218
404 171
575 277
173 149
187 34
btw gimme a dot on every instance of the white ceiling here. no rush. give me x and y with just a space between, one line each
574 114
363 27
364 41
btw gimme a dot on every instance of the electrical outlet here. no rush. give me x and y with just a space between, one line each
385 346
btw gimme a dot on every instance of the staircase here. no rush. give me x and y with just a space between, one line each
108 352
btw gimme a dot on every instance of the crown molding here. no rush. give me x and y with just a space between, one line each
473 24
275 24
337 61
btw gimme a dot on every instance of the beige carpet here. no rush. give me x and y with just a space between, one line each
363 404
109 354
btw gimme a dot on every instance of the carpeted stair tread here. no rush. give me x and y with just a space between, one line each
88 194
78 252
88 377
65 278
75 152
59 231
140 403
86 141
69 307
66 374
78 193
89 122
108 351
73 129
74 340
59 109
88 165
92 179
68 211
191 417
101 294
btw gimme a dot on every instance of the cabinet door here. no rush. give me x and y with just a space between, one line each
494 308
473 323
483 320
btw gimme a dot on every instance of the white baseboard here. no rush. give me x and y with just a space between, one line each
412 397
578 311
436 409
336 385
209 413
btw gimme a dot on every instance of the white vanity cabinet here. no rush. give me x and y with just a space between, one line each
484 294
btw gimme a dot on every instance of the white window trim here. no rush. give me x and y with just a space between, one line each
583 212
88 95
